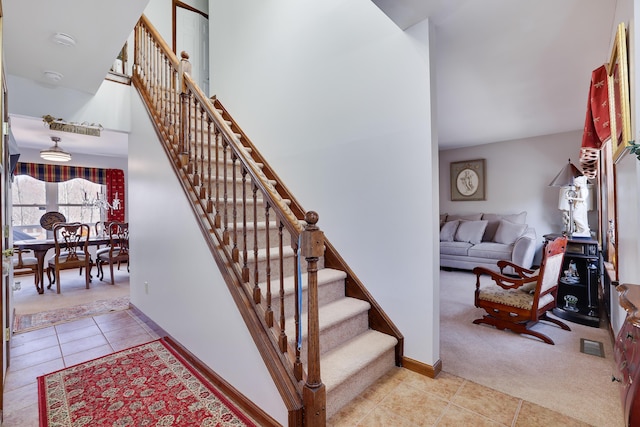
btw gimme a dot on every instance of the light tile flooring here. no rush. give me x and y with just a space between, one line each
49 349
405 399
401 398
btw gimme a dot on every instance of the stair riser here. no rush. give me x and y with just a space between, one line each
246 210
336 335
327 292
275 268
342 394
274 238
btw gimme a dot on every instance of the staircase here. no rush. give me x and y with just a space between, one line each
259 235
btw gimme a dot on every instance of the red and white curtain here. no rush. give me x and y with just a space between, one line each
112 178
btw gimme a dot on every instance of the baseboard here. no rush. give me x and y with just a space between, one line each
422 368
247 406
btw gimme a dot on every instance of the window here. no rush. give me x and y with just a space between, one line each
32 198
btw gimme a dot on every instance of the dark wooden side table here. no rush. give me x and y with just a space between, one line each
578 298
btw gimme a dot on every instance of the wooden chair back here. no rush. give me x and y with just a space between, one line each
71 250
118 251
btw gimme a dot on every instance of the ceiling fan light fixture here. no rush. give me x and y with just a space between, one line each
55 153
64 39
53 75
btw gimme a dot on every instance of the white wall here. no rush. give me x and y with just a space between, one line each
109 106
517 176
337 98
185 293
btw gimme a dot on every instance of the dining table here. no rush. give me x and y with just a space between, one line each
41 246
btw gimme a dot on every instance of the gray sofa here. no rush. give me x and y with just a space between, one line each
472 240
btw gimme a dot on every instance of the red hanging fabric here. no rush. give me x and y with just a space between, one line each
596 124
115 190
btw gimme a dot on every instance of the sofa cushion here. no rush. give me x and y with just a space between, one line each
455 248
443 219
494 221
508 232
470 231
465 217
448 230
491 250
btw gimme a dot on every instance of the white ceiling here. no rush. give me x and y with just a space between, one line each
505 69
510 69
99 28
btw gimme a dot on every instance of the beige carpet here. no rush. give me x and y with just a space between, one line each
558 377
74 300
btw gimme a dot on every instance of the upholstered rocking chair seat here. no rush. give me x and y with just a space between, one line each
517 303
512 297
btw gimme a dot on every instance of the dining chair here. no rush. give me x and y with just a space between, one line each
71 251
23 265
118 250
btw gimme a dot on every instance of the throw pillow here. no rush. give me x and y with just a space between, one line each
465 217
448 230
470 231
494 221
508 232
520 218
443 219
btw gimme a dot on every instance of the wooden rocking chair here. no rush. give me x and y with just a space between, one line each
517 303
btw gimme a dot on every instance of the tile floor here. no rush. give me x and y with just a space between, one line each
49 349
401 398
405 399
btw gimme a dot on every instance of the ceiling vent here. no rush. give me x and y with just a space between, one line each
54 76
64 39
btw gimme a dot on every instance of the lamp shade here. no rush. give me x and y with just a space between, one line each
566 176
55 153
563 202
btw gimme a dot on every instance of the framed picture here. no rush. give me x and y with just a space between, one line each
618 84
467 180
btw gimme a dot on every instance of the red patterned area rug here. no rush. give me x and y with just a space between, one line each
146 385
29 322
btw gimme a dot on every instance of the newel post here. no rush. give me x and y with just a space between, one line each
185 67
313 393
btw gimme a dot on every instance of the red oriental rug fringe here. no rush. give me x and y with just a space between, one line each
146 385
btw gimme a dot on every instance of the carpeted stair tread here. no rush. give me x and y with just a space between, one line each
325 275
342 362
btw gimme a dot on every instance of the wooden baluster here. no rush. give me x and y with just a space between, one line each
209 160
235 252
282 339
203 144
256 277
185 66
173 105
297 365
245 273
217 139
225 207
313 391
196 144
267 248
191 138
245 267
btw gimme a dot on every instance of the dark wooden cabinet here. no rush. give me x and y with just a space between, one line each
626 354
578 297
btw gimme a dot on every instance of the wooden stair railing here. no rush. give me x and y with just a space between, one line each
241 206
